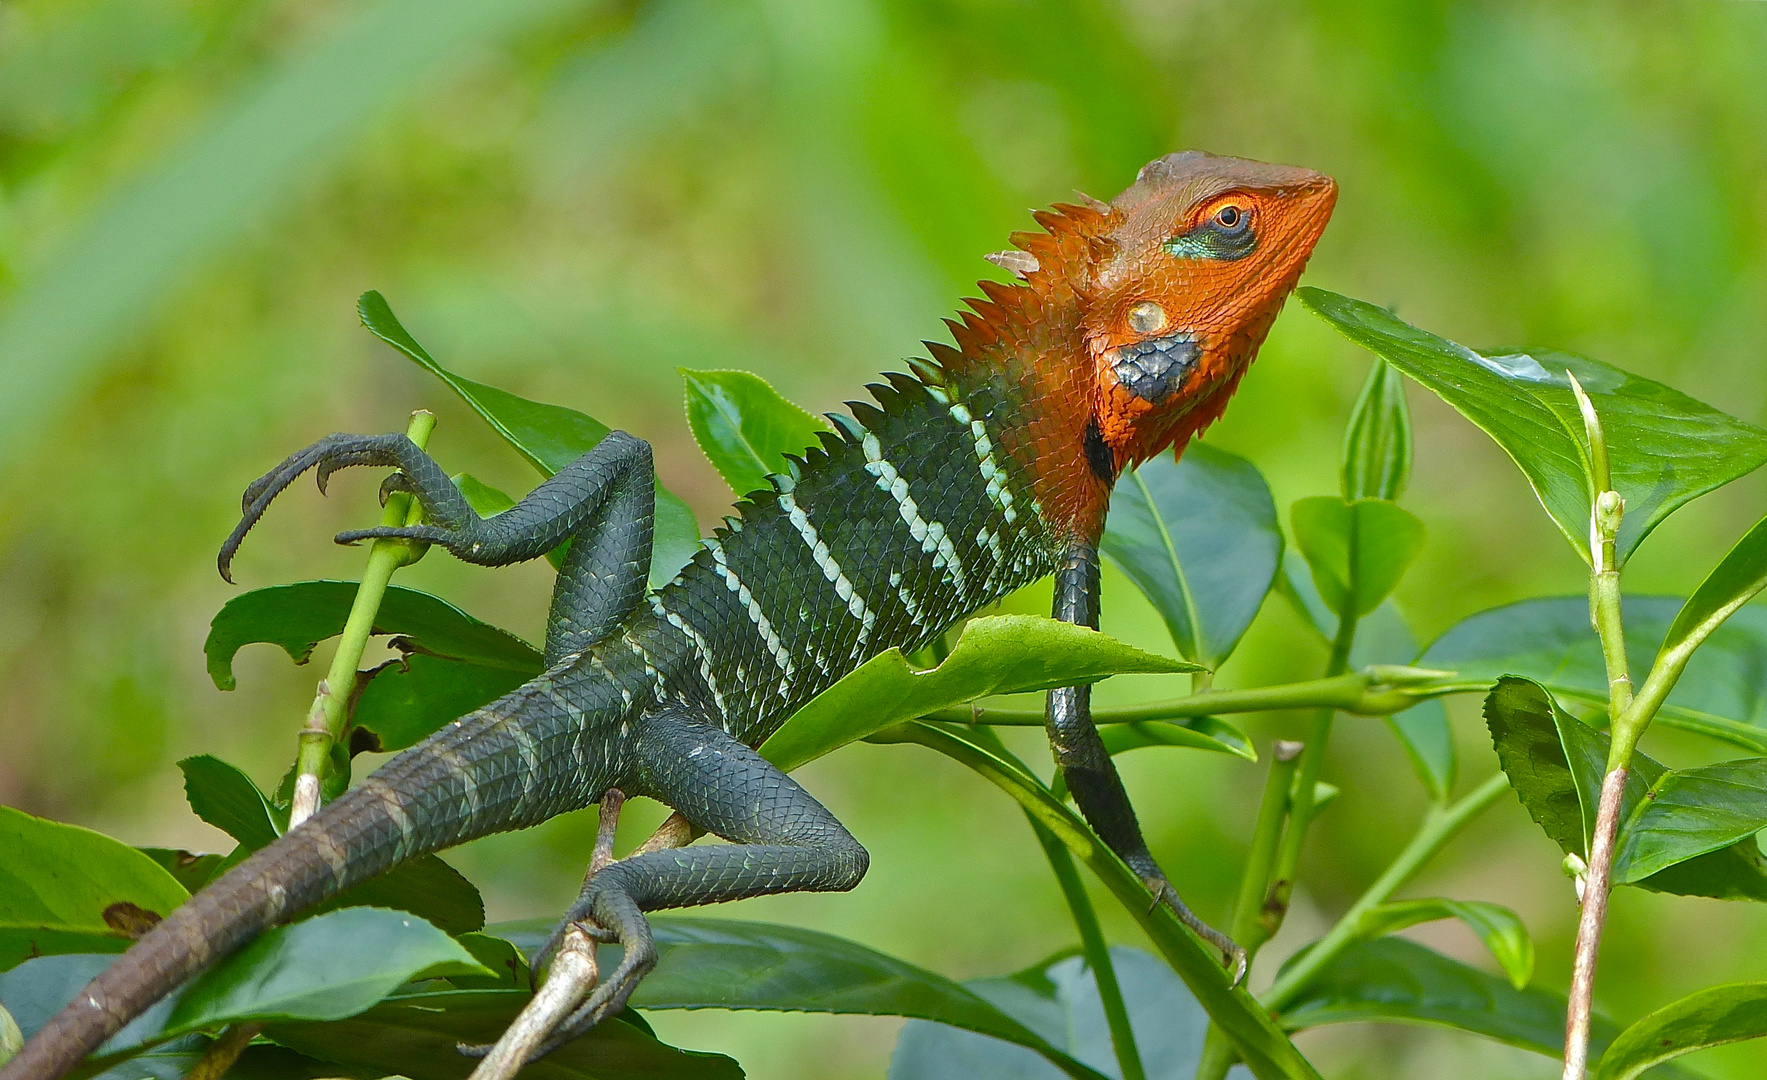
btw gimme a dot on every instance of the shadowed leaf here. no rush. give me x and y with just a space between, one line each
1059 999
1555 764
1549 639
1199 538
1393 980
727 964
1498 927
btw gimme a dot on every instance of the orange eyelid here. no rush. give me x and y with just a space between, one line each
1209 209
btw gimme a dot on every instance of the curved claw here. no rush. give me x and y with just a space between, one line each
331 453
396 482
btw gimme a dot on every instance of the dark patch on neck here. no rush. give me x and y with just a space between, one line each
1099 454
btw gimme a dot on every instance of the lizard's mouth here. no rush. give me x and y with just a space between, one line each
1154 369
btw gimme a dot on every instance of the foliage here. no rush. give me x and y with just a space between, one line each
1200 539
579 199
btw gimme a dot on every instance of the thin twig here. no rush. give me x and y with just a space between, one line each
570 977
1589 925
329 712
573 972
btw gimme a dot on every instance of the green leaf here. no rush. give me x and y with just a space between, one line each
1549 640
409 701
11 1039
1555 764
226 798
415 1035
1198 733
745 427
1059 999
1255 1037
1665 447
426 887
728 964
1498 927
1383 637
299 616
498 955
549 436
453 662
1377 442
37 989
1732 583
67 889
1395 980
1711 1017
1199 538
1689 812
1000 654
324 968
1358 550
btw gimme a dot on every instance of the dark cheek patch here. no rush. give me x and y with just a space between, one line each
1153 370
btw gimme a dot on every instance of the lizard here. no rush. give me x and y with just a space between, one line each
1125 331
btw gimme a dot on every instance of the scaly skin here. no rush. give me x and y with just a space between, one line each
1129 332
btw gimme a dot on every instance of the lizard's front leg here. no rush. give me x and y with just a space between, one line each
603 503
1087 767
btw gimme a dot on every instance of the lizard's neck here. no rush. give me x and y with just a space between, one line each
1023 348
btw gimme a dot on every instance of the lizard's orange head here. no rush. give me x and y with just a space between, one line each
1197 257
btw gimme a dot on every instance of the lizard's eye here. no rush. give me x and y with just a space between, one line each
1223 236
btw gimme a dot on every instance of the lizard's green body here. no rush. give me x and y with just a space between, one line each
982 474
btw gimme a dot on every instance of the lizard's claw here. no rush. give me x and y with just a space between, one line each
334 452
1232 956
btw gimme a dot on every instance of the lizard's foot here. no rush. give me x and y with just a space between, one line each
334 452
610 997
1232 956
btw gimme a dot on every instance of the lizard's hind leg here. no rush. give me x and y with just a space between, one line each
603 503
782 840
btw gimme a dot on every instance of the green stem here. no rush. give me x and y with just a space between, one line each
1092 943
1604 613
1352 692
1263 1046
1439 826
329 713
1254 887
1300 815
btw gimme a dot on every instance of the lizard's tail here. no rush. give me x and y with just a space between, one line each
463 782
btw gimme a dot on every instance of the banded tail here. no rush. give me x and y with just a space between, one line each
457 785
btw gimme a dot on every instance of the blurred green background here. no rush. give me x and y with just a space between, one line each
570 199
